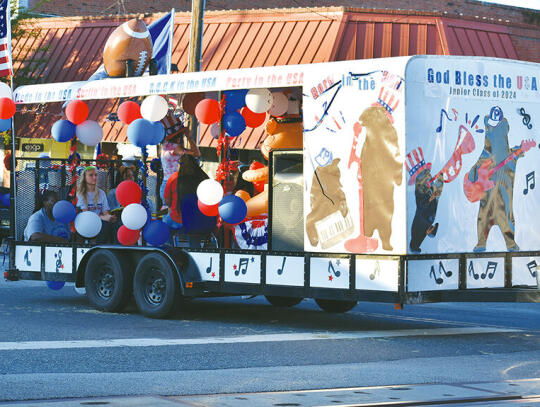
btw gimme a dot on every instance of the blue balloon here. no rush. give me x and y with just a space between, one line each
5 124
5 200
156 233
158 133
63 130
64 212
232 209
55 285
193 219
234 123
140 132
235 99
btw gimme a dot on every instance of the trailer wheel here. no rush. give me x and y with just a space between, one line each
107 281
279 301
155 286
335 306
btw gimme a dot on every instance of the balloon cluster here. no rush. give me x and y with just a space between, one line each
144 126
135 217
243 108
89 132
87 224
211 202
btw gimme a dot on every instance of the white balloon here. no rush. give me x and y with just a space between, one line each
134 216
87 224
89 133
154 108
280 104
210 192
5 91
214 130
259 100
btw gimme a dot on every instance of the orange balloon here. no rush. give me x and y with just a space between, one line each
243 194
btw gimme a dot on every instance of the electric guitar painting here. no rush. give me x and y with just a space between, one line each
475 190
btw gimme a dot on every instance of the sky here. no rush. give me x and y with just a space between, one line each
534 4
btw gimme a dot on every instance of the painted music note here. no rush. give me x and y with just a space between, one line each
243 266
532 267
331 269
491 266
376 272
439 129
27 257
59 264
471 271
280 270
530 181
438 280
209 268
526 118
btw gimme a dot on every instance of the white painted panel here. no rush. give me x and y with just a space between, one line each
432 275
243 268
329 272
80 254
525 271
208 264
485 272
28 258
285 270
377 274
58 260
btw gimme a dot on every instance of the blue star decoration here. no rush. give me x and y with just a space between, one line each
253 259
338 262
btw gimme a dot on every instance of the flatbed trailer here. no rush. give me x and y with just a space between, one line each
361 246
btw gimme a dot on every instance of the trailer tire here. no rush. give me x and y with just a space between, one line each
155 286
107 281
335 306
278 301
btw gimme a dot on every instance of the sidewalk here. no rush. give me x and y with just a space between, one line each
513 392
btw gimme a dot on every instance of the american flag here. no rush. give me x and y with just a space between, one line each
5 39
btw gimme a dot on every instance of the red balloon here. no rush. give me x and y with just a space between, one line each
208 210
77 111
129 111
253 119
127 237
128 192
7 108
207 111
190 101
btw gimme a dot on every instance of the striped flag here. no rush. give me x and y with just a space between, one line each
5 39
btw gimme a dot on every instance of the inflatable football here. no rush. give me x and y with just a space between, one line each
130 41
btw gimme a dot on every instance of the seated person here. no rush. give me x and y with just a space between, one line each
91 198
41 225
180 193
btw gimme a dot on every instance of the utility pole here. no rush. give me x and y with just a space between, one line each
195 47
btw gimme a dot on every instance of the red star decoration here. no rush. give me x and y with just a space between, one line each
330 278
234 266
62 266
213 274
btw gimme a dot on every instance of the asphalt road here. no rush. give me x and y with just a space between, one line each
54 345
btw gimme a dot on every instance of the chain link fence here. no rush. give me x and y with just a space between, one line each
34 175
